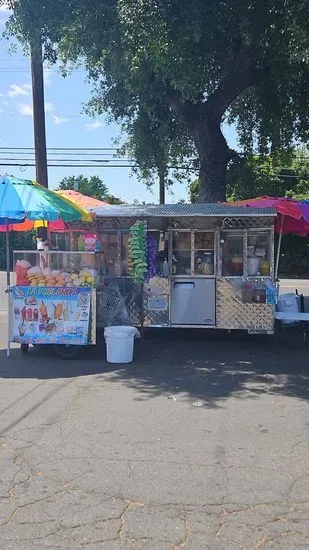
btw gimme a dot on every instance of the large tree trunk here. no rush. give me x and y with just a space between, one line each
213 168
214 154
212 180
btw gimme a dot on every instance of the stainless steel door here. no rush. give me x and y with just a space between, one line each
193 302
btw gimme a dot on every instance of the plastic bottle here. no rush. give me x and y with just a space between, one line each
165 268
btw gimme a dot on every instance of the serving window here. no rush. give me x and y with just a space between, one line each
181 253
258 253
204 253
193 253
246 253
232 253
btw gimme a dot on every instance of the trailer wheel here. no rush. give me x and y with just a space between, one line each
68 351
24 348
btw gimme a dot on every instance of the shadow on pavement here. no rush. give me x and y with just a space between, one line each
205 365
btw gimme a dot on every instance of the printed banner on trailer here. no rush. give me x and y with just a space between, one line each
51 315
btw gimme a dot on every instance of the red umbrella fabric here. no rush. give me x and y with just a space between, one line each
293 215
291 225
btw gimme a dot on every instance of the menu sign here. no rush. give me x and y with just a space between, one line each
51 315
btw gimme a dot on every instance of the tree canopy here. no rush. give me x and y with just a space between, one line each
92 187
274 175
201 62
160 150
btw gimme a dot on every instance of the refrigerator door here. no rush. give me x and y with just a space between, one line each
193 302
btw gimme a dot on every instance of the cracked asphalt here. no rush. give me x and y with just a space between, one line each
96 456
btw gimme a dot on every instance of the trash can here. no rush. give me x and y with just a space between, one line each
120 343
288 303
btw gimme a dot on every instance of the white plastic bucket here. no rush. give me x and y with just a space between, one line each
120 343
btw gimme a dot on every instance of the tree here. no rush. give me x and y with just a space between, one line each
92 187
19 240
205 61
274 175
159 148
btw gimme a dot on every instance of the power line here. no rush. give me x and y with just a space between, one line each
62 153
70 160
62 148
99 153
95 149
26 70
288 176
18 115
26 165
92 160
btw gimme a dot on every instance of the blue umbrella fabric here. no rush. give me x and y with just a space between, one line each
26 199
20 198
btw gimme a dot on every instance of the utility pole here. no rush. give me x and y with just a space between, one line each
162 177
39 128
39 113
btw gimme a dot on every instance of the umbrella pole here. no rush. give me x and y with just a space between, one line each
279 248
8 282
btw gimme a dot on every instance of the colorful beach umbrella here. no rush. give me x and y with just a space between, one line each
292 215
80 199
77 198
27 201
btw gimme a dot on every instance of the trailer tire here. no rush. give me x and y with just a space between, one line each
68 352
24 348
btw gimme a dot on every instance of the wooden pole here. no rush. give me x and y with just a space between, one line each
162 187
39 114
39 128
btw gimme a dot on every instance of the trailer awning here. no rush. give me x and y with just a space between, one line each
181 211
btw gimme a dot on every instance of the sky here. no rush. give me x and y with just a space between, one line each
66 125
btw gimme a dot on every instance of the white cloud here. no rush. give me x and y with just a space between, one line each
94 125
16 90
25 109
4 8
48 107
59 119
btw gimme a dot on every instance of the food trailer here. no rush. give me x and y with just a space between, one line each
208 266
185 265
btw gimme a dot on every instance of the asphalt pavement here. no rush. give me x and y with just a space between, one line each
201 444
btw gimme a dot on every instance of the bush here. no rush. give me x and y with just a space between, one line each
294 257
19 240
